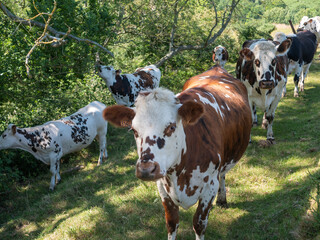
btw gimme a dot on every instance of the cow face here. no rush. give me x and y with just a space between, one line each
157 123
8 137
108 73
307 24
219 54
263 55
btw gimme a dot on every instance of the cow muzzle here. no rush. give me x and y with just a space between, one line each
148 171
266 84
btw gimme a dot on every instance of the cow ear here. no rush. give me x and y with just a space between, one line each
118 115
284 47
118 72
247 54
226 54
12 128
191 112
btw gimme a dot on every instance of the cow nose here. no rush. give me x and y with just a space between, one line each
148 170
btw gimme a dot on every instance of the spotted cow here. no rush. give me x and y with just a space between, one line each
301 53
125 87
54 139
262 67
310 24
220 55
189 141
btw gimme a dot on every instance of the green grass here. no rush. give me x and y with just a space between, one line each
269 191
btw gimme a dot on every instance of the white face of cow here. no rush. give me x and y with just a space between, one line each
218 53
108 73
263 54
158 124
159 133
7 138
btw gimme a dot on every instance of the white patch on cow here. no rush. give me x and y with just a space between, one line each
227 106
213 105
227 80
227 96
227 87
203 77
204 189
222 82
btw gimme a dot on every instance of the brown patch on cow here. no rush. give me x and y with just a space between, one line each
149 141
145 80
247 54
225 55
119 115
190 112
169 130
172 215
206 179
147 155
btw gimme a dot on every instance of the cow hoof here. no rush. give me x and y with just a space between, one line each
222 204
283 95
51 189
296 94
255 124
271 141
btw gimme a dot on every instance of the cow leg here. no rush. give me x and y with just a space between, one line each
296 80
171 212
54 168
284 90
303 76
222 193
102 146
200 218
265 122
254 117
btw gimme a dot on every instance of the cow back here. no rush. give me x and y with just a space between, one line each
224 129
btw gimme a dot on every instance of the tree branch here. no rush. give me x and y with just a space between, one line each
31 22
210 39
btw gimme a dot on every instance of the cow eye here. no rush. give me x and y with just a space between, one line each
257 62
170 129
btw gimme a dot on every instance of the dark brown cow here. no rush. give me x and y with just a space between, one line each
188 142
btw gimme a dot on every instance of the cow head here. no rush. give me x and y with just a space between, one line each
108 73
219 54
306 23
158 125
8 137
263 55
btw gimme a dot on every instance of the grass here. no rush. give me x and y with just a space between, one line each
270 191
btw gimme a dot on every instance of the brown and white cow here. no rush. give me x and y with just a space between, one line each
310 24
189 141
262 67
220 55
126 87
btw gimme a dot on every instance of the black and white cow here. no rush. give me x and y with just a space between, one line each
54 139
262 67
125 87
302 50
220 55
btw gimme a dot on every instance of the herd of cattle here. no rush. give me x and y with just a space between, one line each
185 142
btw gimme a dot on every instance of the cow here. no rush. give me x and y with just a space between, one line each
125 87
189 141
301 53
220 55
54 139
262 67
310 24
